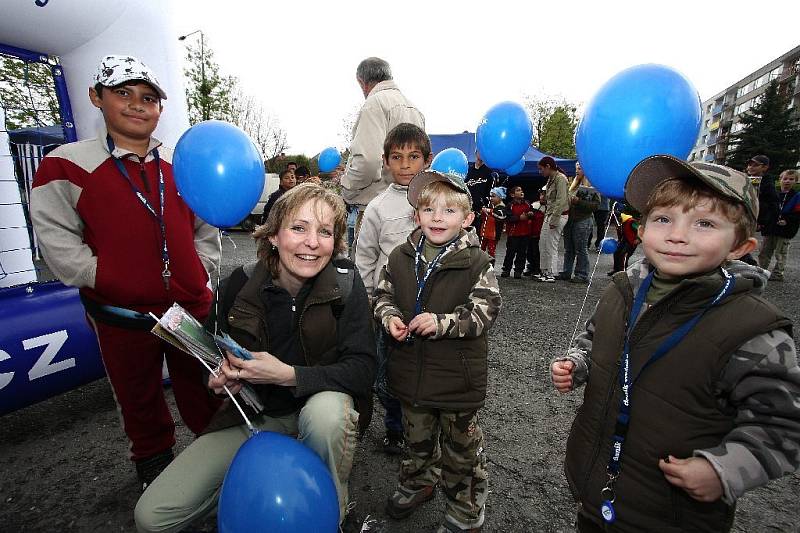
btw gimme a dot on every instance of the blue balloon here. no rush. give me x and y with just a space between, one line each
276 483
516 168
504 135
451 161
642 111
219 172
608 245
329 159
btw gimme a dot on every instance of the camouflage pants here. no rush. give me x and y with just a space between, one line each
447 445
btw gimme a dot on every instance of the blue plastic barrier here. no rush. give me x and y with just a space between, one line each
46 345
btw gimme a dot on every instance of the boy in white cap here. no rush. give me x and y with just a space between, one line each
110 222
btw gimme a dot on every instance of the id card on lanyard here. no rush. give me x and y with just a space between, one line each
158 215
626 382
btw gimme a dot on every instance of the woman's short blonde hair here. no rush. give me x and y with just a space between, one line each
283 211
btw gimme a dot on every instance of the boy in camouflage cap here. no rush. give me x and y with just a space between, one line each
692 387
436 298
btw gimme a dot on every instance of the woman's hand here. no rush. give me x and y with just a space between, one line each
263 368
423 325
397 329
220 381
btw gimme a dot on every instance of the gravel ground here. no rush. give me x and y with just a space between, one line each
63 463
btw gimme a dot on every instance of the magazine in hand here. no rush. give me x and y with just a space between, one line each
179 328
225 342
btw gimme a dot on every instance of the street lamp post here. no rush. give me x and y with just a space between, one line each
204 107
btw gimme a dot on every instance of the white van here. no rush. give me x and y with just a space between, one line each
271 182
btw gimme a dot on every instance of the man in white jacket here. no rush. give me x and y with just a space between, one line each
385 107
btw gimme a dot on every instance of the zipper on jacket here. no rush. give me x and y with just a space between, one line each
598 444
143 175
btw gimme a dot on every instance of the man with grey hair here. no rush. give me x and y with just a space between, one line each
385 107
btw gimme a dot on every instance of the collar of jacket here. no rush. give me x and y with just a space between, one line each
704 288
456 258
324 287
382 86
122 153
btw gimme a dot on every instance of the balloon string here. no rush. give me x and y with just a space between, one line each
252 429
216 287
591 278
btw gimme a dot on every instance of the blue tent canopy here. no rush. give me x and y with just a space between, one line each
466 143
40 136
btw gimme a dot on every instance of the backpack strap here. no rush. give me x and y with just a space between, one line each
345 274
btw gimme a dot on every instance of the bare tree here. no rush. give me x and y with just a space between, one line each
264 128
348 123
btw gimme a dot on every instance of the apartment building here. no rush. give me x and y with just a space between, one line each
721 112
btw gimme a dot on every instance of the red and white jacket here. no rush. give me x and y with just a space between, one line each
97 235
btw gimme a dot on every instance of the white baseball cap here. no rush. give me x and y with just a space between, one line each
117 69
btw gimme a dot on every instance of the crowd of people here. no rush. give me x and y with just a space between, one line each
403 305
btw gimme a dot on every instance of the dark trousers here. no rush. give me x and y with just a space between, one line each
532 255
622 254
393 418
600 221
133 361
516 248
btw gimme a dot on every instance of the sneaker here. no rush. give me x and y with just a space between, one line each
517 275
582 281
549 279
405 501
564 277
393 443
527 274
504 274
149 468
776 277
540 277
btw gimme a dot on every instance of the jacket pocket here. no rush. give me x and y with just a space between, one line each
251 324
466 372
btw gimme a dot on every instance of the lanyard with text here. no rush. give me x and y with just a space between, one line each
626 381
428 270
158 215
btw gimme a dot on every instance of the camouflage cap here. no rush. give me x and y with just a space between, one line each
117 69
649 172
426 177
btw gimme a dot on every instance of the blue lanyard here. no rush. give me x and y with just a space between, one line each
627 381
159 216
428 270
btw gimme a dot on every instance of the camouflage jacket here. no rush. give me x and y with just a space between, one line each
447 369
758 387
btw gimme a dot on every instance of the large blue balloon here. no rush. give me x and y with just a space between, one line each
608 245
218 172
451 161
643 110
277 484
329 159
516 168
504 135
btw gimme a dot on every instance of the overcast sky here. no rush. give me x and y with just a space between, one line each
454 60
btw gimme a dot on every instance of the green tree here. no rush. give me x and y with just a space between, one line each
770 128
208 94
27 94
554 120
557 134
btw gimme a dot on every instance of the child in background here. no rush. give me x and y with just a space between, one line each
536 219
778 236
493 218
519 232
388 221
627 227
692 385
437 298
